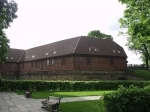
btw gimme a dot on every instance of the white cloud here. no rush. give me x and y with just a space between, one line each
45 21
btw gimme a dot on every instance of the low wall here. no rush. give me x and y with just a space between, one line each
69 75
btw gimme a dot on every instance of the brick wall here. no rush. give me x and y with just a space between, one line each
100 63
74 75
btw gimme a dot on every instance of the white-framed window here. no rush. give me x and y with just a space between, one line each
47 62
53 62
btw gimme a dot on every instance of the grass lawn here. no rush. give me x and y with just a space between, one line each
83 106
79 106
45 94
145 74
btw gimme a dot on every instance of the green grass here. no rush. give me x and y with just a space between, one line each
45 94
144 74
79 106
83 106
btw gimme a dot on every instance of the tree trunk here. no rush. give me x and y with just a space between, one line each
147 56
146 60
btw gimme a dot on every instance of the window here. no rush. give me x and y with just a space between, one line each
47 62
52 61
63 61
31 64
88 61
111 61
36 64
22 65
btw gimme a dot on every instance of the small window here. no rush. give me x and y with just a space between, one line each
114 51
22 65
33 56
63 61
31 64
53 62
88 61
111 61
36 64
95 50
54 52
90 49
47 62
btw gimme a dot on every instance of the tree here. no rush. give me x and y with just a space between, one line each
8 11
98 34
137 21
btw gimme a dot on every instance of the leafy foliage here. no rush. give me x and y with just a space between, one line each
98 34
3 46
136 20
7 14
144 74
19 85
132 99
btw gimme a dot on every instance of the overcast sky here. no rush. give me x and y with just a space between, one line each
41 22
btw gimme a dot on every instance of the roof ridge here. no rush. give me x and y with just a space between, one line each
77 44
21 56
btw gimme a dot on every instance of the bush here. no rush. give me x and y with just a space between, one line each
132 99
22 85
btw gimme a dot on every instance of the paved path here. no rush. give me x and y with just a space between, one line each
11 102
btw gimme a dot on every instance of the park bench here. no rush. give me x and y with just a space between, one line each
52 103
28 94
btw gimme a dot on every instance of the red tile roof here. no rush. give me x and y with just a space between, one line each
78 45
98 46
15 55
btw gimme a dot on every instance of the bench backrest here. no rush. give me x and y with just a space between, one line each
54 99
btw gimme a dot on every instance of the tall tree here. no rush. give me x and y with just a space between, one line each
98 34
8 11
137 21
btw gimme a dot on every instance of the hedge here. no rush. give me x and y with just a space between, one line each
132 99
22 85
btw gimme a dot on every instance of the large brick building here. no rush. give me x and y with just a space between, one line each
79 58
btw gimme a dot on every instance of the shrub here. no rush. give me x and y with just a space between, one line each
22 85
132 99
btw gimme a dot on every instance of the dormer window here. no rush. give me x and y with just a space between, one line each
90 49
95 50
54 52
33 56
